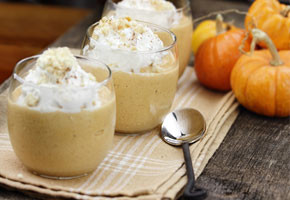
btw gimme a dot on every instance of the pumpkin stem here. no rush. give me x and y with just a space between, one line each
285 12
219 24
260 36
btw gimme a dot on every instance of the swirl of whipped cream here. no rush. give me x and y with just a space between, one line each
125 44
160 12
58 83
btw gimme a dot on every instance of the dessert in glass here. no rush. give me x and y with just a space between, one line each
174 16
61 113
143 59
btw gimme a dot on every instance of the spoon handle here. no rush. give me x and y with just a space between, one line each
190 191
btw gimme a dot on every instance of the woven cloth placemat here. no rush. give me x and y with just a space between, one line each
139 167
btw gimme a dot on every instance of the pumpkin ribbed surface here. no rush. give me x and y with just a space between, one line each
261 87
217 56
273 18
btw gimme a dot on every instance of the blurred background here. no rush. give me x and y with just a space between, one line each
29 26
76 3
71 3
88 3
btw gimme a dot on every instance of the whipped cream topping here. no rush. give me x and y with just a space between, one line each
156 5
57 82
119 42
160 12
126 34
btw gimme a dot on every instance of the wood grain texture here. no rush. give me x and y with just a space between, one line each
201 8
252 162
26 29
35 25
7 193
74 37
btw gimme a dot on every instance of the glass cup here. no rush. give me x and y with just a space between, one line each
143 97
62 141
180 24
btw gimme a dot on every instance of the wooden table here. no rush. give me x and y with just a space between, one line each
253 161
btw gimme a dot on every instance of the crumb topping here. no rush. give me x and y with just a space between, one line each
59 66
59 83
127 34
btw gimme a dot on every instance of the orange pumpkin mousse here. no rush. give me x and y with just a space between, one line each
60 118
145 70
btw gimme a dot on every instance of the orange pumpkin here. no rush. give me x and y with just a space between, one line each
206 29
261 80
217 55
273 18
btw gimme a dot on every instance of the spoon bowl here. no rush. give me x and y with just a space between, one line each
185 125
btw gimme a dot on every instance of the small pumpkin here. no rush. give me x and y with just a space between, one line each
203 31
216 56
261 80
273 18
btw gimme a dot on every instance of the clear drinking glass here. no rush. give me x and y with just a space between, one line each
180 24
68 140
143 98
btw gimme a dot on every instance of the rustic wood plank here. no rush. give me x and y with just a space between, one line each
26 29
201 8
35 25
74 37
252 162
7 193
10 55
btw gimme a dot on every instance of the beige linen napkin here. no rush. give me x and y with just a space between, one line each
140 166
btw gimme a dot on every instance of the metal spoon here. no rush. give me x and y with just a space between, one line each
184 127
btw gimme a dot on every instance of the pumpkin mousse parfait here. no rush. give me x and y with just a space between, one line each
143 59
61 113
174 15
